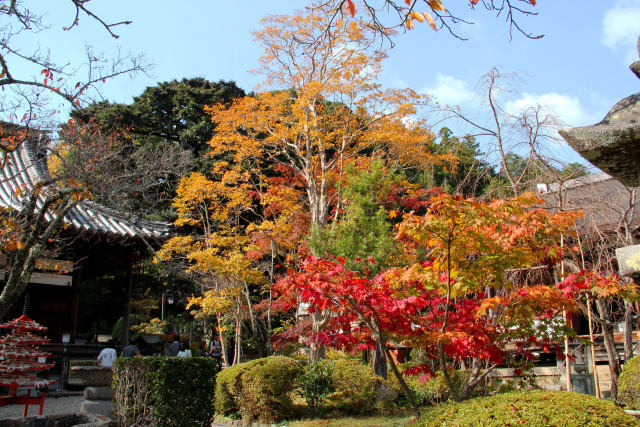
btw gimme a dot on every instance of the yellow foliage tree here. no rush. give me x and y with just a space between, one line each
327 108
216 252
330 108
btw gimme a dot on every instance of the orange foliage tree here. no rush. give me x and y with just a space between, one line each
328 108
453 298
237 219
462 249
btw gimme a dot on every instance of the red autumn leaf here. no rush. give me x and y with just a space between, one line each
351 7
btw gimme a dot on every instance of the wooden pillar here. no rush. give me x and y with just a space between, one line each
76 279
127 303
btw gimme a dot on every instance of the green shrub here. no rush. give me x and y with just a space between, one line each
333 354
228 388
164 391
529 408
134 320
316 383
259 390
355 387
429 392
629 384
426 393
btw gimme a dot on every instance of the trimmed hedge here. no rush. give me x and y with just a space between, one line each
629 384
529 408
355 387
164 391
259 390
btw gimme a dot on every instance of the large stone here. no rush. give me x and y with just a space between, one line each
96 420
628 260
99 393
613 145
93 375
101 407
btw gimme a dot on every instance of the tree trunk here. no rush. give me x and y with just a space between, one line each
225 356
33 242
475 379
317 193
319 320
269 317
380 361
127 307
256 331
628 330
269 324
238 334
467 389
401 380
17 283
594 365
443 366
610 345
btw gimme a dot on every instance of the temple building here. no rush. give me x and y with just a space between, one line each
98 240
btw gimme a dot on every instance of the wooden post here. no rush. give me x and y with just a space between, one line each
593 349
127 305
567 361
594 366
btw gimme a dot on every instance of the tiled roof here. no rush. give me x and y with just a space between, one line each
578 182
604 200
22 171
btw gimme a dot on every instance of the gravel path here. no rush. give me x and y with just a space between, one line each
52 405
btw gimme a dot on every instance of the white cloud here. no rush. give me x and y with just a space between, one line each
449 90
399 83
567 108
621 28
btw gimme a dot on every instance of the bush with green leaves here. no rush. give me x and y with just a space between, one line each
629 384
316 383
228 388
426 392
355 387
431 391
529 409
164 391
134 320
259 390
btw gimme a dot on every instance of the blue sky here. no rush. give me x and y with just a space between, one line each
579 67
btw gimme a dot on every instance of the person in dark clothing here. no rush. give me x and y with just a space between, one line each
146 349
215 351
231 351
131 350
174 348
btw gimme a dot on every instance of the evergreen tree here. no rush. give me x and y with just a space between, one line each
364 230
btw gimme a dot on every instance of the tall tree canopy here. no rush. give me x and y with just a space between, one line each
468 175
172 111
325 107
330 109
